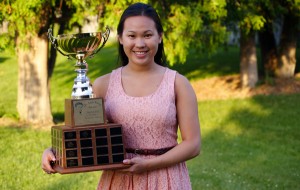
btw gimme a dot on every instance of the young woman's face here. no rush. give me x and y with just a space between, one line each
140 39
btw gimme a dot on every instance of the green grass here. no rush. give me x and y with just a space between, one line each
20 163
246 144
251 143
198 66
8 85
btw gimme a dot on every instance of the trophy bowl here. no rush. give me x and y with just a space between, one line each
85 43
80 46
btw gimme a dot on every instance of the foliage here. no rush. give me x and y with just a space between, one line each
246 14
186 24
180 31
6 44
83 9
30 18
197 24
253 15
24 17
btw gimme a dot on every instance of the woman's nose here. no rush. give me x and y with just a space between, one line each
140 42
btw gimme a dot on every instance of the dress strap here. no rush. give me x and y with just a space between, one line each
114 82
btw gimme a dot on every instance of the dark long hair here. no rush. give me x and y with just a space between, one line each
141 9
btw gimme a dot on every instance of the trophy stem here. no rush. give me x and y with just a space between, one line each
82 87
81 63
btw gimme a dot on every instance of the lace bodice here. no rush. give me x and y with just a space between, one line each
149 122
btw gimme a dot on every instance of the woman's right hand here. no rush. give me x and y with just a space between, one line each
47 158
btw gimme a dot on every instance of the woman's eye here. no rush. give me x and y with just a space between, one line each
131 36
148 35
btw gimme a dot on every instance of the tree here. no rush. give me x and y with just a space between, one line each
279 59
268 44
28 29
247 16
288 42
29 22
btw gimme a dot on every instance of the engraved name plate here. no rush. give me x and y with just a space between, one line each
81 112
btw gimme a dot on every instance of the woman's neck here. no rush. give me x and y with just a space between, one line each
142 69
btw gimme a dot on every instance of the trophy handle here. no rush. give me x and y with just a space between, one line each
54 43
105 36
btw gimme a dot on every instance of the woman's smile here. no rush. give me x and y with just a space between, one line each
140 54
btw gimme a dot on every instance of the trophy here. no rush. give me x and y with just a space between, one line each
86 142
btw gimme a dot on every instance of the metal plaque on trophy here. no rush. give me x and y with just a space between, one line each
86 142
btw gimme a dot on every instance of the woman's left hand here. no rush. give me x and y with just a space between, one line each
138 165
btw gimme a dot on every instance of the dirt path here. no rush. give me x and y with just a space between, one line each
229 87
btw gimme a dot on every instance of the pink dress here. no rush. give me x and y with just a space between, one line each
148 122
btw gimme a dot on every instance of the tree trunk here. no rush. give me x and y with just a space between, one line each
248 60
288 45
33 102
268 50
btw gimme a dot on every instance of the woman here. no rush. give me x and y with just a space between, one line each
150 101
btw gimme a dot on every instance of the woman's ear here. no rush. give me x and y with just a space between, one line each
160 37
120 39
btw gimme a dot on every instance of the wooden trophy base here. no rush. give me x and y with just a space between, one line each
88 148
62 170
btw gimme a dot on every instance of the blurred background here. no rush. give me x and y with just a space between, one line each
242 58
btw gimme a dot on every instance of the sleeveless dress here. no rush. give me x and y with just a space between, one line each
149 122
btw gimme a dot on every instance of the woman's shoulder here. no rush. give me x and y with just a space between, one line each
181 80
183 86
102 79
100 85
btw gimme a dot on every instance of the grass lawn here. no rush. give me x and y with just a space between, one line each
246 144
251 143
8 85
